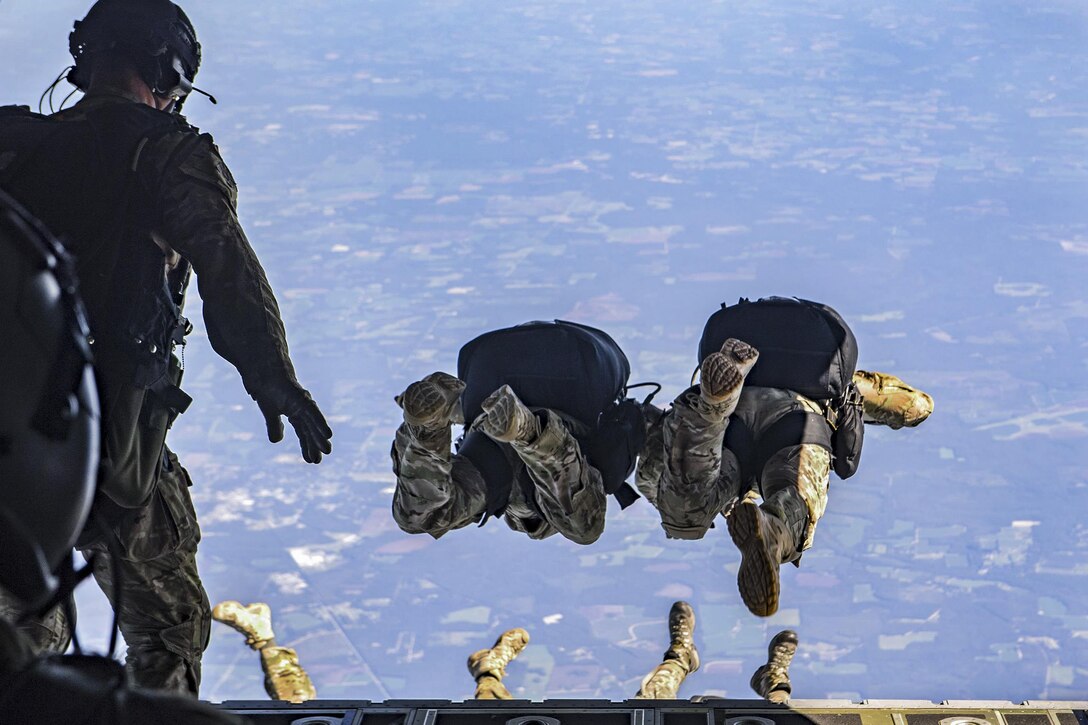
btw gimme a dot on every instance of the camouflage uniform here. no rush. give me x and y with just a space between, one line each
555 490
164 615
43 634
688 474
189 208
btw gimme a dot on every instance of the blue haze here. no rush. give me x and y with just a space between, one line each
414 173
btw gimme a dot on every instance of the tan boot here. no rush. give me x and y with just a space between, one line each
772 680
681 644
679 661
506 419
433 402
252 620
491 688
888 400
494 661
765 542
284 678
721 376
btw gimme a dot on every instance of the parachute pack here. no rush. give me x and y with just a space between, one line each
806 347
572 368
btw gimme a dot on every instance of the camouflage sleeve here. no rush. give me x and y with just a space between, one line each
568 490
198 218
436 491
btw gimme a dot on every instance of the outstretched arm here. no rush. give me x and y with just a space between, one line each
200 221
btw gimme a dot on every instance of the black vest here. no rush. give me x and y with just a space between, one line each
83 178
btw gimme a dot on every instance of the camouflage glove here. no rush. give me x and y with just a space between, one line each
294 401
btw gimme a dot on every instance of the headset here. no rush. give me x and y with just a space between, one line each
155 34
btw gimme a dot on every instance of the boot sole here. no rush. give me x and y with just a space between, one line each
757 578
719 378
427 404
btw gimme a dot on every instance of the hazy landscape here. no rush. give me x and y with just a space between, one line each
415 173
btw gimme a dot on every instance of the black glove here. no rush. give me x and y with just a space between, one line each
302 413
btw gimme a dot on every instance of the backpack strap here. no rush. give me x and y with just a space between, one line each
740 440
849 434
625 495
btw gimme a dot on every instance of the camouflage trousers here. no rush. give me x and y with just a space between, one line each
164 613
438 491
663 682
688 474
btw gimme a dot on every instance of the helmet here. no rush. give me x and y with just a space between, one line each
155 35
48 408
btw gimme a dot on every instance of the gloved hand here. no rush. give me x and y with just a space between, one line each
294 401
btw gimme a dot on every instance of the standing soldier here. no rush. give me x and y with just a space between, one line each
140 197
49 430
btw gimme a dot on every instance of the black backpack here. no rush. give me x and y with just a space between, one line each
575 369
84 179
806 347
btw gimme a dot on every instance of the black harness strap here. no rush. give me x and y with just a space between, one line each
794 428
625 495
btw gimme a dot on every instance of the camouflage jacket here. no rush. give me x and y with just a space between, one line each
182 196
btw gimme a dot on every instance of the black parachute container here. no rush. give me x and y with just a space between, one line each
572 368
804 346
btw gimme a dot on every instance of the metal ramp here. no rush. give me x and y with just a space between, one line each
697 711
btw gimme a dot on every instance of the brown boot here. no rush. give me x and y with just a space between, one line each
433 402
765 542
679 661
491 688
506 419
772 680
494 661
